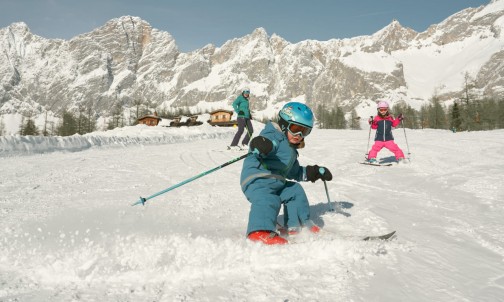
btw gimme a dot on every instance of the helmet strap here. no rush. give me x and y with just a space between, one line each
283 124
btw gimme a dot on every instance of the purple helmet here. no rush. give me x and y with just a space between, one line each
383 104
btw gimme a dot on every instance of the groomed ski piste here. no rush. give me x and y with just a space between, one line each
69 232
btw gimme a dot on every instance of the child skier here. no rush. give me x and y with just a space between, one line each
265 174
383 122
242 108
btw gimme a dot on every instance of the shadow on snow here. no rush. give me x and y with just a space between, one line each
320 209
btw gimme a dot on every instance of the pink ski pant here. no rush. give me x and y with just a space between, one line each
391 145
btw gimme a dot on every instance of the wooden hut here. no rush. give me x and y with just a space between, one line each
149 120
222 117
176 122
192 121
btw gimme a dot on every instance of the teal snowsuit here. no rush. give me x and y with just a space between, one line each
264 181
242 104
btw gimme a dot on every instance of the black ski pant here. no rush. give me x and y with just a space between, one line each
242 124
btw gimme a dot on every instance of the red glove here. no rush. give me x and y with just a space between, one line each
400 117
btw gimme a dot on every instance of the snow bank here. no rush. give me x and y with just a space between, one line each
132 135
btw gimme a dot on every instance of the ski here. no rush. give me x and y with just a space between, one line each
383 237
283 232
231 150
378 165
379 237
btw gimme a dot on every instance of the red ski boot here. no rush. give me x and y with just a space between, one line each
267 237
314 229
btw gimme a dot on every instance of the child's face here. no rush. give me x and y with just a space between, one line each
294 139
382 111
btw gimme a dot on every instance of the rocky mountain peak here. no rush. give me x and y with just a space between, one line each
392 37
19 28
127 62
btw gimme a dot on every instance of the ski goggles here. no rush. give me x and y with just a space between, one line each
296 129
246 91
383 109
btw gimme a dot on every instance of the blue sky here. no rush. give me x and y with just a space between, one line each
195 23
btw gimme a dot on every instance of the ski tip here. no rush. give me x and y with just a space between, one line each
381 237
140 201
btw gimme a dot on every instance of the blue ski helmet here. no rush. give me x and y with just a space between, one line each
295 113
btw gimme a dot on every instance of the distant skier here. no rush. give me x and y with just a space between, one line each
242 108
265 176
383 122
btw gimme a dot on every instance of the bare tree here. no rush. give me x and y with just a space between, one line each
44 132
2 126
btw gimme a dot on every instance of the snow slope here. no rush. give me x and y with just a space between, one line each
68 232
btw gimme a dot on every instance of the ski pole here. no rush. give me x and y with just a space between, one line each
142 200
369 138
405 137
322 171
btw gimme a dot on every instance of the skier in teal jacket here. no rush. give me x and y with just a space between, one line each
242 108
270 177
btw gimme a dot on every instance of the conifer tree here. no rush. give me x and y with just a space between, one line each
321 113
340 121
423 117
499 114
437 116
455 118
2 126
354 121
68 124
411 118
410 115
29 128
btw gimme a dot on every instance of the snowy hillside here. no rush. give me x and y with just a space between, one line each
68 232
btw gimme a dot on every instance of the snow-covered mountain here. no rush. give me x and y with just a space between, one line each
127 61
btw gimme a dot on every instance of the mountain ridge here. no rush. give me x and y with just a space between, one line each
126 61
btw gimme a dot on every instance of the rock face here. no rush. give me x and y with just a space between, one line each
126 61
